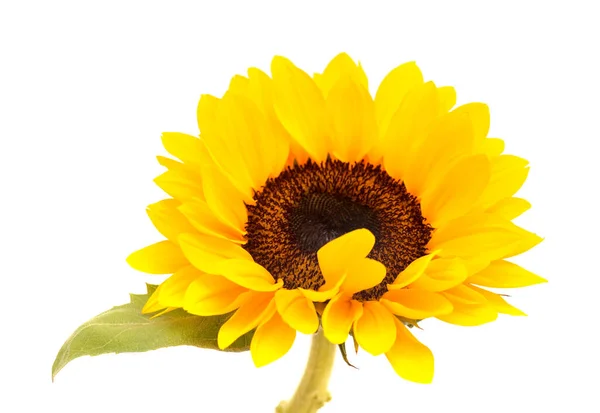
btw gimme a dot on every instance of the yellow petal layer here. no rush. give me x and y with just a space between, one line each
504 274
409 358
272 339
450 138
447 98
300 107
256 308
173 289
352 114
180 184
364 274
409 126
497 302
202 218
297 310
411 273
455 193
343 252
248 274
224 200
212 294
492 146
479 116
465 295
189 149
441 274
339 315
416 304
226 153
509 208
469 314
390 94
341 66
508 173
168 220
484 236
206 252
375 330
163 257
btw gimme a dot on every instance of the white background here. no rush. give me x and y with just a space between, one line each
86 88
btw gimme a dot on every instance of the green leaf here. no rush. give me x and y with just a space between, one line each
125 329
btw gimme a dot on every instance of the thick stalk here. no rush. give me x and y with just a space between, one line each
312 392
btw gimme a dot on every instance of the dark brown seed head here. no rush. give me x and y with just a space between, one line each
309 205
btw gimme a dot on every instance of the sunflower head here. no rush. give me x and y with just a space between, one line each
307 203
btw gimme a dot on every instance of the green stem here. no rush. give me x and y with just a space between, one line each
312 393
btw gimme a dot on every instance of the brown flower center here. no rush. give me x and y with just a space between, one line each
309 205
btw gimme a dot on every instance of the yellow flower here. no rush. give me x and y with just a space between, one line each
307 202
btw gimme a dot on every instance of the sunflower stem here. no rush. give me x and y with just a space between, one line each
312 393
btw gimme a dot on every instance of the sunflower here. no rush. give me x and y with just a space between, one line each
306 203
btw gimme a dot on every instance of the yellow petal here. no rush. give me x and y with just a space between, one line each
153 305
484 236
165 311
375 330
508 174
504 274
447 98
339 315
450 138
469 314
352 114
163 257
226 202
252 312
343 252
412 272
392 90
297 310
272 340
364 274
416 304
455 194
410 359
326 292
497 302
261 91
170 163
206 252
168 220
509 208
248 274
479 116
248 131
179 184
492 146
465 295
474 265
172 290
340 66
211 295
441 274
203 219
239 85
407 130
300 107
189 149
225 152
